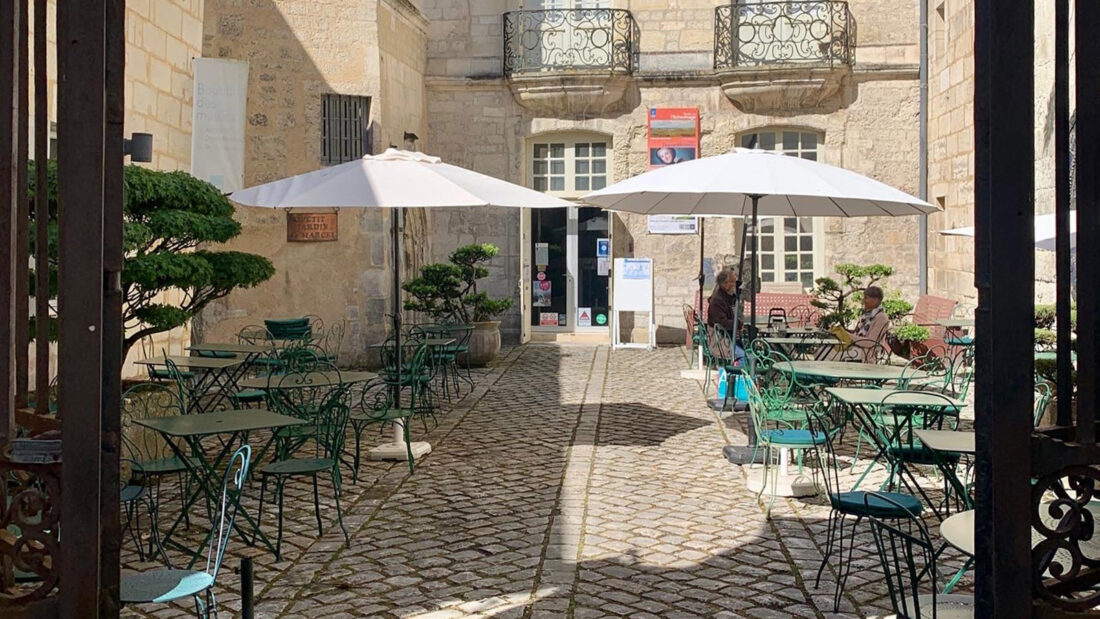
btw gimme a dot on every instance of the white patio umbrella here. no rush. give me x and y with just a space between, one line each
396 179
753 183
1044 231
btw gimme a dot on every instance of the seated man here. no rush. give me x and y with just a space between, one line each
873 323
722 308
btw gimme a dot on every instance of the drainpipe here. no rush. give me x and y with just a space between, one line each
922 231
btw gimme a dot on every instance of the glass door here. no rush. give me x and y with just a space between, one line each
570 265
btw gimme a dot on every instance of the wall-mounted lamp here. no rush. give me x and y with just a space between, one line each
410 140
139 146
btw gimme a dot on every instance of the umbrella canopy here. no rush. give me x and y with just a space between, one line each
1044 231
785 186
394 179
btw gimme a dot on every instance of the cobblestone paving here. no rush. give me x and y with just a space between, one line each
572 482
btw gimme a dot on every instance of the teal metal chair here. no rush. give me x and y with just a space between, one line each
146 448
848 504
770 437
168 585
329 433
377 407
1043 395
908 561
305 395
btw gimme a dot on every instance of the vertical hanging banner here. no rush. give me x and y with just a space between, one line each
673 138
218 120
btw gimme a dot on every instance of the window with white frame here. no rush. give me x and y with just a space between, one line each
569 167
788 245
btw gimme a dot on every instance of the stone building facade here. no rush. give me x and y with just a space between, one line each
482 86
487 114
300 53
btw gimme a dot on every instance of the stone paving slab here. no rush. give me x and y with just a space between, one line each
573 481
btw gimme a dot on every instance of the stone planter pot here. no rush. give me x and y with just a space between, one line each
484 343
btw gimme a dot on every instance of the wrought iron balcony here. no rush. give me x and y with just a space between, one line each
570 40
763 34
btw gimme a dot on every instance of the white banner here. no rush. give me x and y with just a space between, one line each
673 224
217 128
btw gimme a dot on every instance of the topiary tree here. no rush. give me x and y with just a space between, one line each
449 291
168 220
837 298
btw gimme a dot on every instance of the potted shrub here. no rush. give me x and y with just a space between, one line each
911 338
448 292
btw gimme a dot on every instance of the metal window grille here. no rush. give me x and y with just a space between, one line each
344 133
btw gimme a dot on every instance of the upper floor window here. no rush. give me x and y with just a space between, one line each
569 167
789 246
344 135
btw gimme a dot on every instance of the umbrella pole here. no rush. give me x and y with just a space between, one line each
747 454
399 449
702 279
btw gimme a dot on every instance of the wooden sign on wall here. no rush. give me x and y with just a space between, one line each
310 227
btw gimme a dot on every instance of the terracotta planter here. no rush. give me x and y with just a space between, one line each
484 343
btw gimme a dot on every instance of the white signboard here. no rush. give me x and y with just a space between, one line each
632 291
218 120
673 224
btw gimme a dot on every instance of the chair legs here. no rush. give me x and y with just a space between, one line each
835 538
317 504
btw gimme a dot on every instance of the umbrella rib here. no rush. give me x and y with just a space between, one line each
838 206
791 204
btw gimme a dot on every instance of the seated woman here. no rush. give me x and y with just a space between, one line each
873 323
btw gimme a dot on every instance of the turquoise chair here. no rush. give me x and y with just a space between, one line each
772 438
168 585
857 504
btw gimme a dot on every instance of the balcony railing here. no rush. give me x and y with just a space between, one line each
761 34
570 39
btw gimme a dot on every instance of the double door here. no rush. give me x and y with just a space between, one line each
568 269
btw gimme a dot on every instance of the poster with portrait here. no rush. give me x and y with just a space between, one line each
673 138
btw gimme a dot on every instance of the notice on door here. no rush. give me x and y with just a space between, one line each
548 319
540 293
542 255
584 316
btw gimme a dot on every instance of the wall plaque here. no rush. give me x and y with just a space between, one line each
310 227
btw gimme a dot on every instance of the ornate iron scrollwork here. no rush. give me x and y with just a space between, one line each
569 39
779 33
30 509
1067 553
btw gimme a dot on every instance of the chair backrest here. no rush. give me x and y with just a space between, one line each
304 394
1043 394
930 309
145 401
302 357
865 351
908 558
818 422
289 328
178 378
962 373
803 316
929 416
332 424
334 340
934 369
236 472
689 324
253 334
719 345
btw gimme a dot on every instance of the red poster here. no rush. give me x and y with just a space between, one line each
673 135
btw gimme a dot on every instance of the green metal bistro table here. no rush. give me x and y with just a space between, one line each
795 347
955 323
864 404
216 378
944 443
207 471
849 371
320 379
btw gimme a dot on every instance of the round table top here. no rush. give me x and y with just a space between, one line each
958 530
844 370
317 379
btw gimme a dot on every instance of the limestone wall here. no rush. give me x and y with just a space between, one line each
951 145
298 50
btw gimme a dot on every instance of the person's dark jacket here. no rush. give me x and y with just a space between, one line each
722 308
